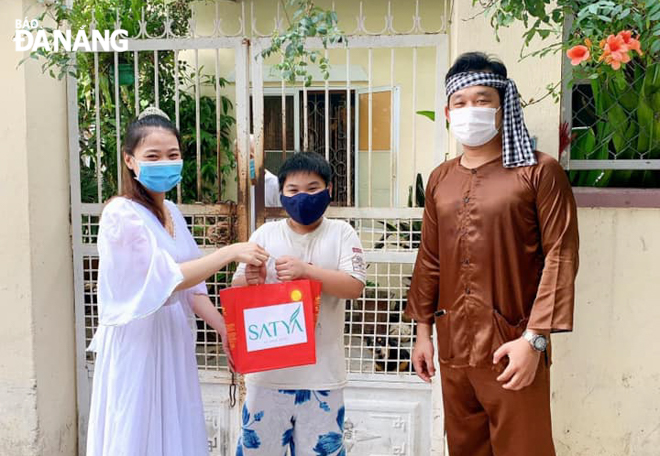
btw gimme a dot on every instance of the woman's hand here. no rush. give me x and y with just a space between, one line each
222 331
249 253
205 309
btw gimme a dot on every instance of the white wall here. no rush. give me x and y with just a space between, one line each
37 373
606 374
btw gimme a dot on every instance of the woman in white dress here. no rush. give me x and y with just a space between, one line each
146 398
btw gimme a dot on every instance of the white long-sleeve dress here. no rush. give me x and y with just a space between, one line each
146 398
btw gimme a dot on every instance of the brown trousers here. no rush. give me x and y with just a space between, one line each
483 419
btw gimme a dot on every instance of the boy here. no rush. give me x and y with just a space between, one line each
303 407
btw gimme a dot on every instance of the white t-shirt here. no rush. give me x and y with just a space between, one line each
334 245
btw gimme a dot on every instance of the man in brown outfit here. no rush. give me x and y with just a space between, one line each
495 270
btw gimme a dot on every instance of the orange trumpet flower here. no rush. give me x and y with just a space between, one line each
631 43
578 54
615 52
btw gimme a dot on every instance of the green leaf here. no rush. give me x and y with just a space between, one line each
655 47
557 15
428 114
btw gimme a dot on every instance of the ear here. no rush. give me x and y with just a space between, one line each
130 162
330 188
447 113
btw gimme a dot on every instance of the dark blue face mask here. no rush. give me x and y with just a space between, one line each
306 208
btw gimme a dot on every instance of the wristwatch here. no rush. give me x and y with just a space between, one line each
538 341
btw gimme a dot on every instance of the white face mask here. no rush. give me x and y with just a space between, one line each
473 127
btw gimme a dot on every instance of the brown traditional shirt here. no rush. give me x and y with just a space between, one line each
499 254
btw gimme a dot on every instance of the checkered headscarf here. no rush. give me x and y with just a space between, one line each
517 149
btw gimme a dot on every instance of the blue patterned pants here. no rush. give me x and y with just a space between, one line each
306 422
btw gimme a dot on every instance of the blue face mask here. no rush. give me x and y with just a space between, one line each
306 208
160 176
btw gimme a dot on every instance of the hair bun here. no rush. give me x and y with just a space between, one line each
153 111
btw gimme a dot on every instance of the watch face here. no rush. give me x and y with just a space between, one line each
540 343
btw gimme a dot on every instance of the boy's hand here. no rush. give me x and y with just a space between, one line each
255 275
290 268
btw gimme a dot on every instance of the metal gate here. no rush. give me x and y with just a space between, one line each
388 409
95 161
377 145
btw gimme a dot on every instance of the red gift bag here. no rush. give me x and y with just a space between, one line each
272 326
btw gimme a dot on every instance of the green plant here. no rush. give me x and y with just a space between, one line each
546 19
214 142
55 14
625 114
615 47
309 21
210 141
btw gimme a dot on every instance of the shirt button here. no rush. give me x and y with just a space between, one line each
474 171
466 199
468 291
466 261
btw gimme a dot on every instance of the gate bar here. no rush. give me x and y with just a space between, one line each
283 102
117 122
392 173
97 109
136 75
198 145
370 129
414 125
349 127
82 376
218 123
156 82
327 117
177 119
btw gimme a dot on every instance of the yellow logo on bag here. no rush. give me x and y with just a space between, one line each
296 295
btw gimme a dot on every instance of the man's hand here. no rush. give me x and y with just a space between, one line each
255 275
523 362
290 268
422 358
